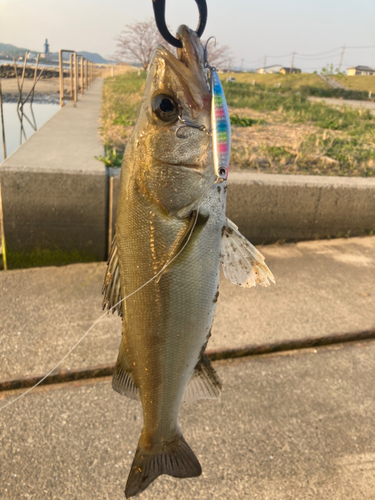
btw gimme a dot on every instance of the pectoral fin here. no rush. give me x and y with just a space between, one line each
112 284
205 383
242 263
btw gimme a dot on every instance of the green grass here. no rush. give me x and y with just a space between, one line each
291 82
112 158
244 122
342 141
358 82
41 257
122 96
296 107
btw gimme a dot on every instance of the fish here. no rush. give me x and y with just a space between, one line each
171 236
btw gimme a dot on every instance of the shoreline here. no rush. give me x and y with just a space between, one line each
46 91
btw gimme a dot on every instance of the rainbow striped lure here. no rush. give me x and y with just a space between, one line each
220 126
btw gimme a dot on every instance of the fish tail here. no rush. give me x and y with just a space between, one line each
175 458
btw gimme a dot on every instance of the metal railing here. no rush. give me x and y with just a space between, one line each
82 73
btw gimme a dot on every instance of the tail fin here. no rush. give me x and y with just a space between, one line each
176 459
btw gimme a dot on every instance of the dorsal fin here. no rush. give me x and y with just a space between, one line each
112 283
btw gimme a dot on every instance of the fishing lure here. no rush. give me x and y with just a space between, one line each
220 126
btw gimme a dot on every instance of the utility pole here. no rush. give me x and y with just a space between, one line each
264 64
341 57
242 60
291 64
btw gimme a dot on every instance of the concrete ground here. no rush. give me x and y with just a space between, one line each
323 288
296 425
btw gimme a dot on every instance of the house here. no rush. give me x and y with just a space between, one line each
276 68
361 70
293 71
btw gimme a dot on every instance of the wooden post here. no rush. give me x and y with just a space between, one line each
75 77
110 213
71 74
82 89
61 79
2 122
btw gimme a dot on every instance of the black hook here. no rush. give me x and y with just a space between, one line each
189 123
159 11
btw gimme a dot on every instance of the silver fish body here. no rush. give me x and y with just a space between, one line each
171 236
170 213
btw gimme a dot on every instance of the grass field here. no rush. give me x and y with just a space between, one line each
274 130
365 83
294 82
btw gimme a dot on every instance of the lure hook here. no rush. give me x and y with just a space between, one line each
206 63
188 123
159 12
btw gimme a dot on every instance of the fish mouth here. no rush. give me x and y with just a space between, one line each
198 167
192 52
190 58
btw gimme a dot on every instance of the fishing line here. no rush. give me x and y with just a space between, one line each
102 316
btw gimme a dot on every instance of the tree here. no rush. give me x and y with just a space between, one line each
137 42
219 56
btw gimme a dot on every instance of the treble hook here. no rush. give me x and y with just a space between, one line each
159 12
188 123
206 64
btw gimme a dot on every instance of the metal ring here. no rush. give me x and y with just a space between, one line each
159 12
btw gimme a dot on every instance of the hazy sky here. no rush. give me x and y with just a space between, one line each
251 28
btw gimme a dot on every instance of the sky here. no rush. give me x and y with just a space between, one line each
252 29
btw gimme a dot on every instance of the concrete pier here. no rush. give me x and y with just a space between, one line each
55 192
296 424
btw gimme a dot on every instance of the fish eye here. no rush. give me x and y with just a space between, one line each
165 107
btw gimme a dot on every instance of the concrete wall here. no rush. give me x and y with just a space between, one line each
269 208
67 212
61 213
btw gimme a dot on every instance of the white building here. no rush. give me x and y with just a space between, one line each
276 68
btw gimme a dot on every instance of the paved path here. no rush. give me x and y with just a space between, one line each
351 103
68 141
298 426
323 288
332 82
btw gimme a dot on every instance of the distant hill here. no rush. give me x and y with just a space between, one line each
12 50
95 58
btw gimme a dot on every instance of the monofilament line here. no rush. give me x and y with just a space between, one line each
99 319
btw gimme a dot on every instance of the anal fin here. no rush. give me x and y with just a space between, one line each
123 381
205 383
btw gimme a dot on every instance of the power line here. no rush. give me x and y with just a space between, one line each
314 56
319 57
362 47
319 53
